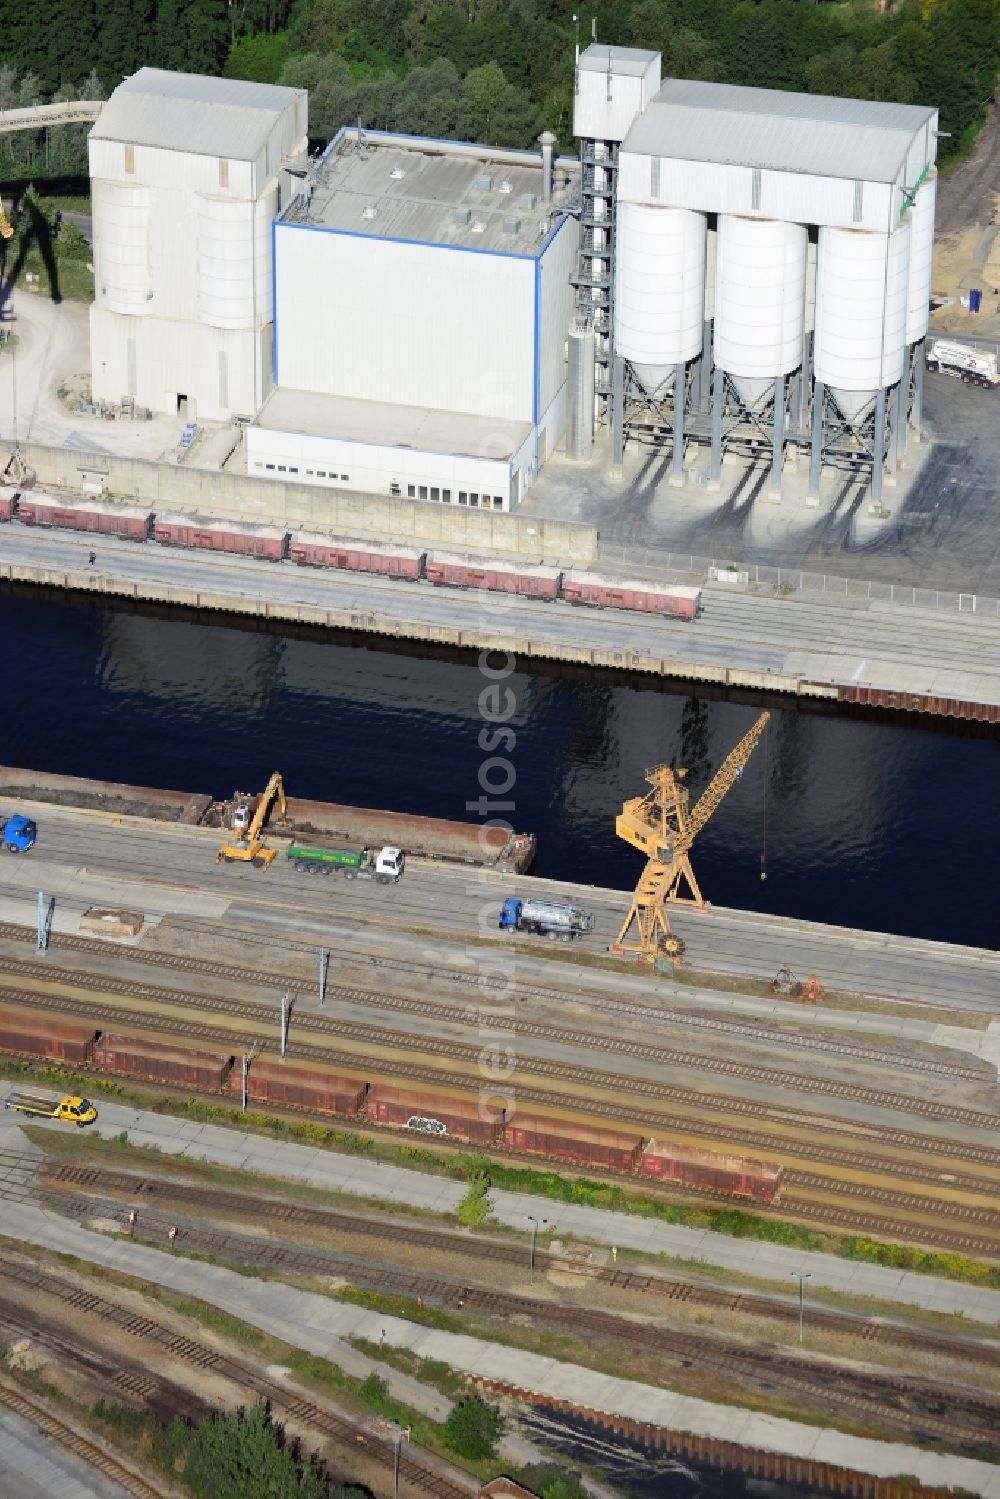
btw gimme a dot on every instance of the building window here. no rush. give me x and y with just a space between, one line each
292 470
282 468
344 478
473 499
463 498
223 172
435 493
497 502
309 473
321 473
271 467
411 492
423 491
446 496
394 487
130 158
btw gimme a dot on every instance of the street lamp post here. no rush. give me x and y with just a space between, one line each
536 1224
801 1277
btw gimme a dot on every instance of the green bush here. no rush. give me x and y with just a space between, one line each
474 1208
473 1428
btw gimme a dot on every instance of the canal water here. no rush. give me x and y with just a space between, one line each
853 821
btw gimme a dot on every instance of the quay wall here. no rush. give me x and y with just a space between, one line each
274 502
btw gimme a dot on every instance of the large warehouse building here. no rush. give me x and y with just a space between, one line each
187 174
422 300
723 270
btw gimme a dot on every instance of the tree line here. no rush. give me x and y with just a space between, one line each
494 71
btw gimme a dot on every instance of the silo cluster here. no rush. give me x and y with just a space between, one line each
774 249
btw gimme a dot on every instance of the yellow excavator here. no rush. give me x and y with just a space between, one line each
249 847
660 826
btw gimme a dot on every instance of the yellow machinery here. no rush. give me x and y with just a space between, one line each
660 826
250 847
6 228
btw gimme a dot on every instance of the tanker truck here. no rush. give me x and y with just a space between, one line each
545 918
975 366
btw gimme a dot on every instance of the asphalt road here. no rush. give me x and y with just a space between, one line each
865 642
89 858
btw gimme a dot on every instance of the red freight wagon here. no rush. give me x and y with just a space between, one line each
149 1057
734 1175
309 549
565 1140
105 519
34 1033
300 1087
433 1113
7 501
481 572
267 542
622 593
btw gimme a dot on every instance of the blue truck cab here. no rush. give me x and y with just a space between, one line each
18 834
510 912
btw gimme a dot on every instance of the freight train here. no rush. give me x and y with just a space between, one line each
428 1111
384 559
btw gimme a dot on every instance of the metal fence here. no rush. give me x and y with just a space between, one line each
755 577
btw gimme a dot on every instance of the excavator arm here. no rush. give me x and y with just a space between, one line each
251 848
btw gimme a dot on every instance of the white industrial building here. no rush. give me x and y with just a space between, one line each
187 176
768 276
422 302
741 269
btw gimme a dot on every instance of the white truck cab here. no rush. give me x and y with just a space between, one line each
389 864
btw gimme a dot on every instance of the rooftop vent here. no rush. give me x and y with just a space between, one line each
461 216
506 186
483 184
527 200
369 212
397 174
512 226
478 226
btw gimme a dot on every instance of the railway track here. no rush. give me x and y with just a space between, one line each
287 1404
31 1409
140 1189
314 1023
743 1028
908 1402
844 1218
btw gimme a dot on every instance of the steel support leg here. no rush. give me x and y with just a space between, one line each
705 367
715 472
893 407
878 464
917 410
778 437
617 415
816 453
677 458
903 402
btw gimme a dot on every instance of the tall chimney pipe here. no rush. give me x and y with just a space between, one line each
547 140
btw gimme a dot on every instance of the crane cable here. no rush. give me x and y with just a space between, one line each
763 833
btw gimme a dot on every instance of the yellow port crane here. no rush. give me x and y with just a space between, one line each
660 826
250 848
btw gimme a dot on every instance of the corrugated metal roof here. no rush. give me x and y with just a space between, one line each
430 194
628 61
191 112
767 128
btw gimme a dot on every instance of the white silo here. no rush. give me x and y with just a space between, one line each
861 301
659 290
225 263
122 233
759 302
921 255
